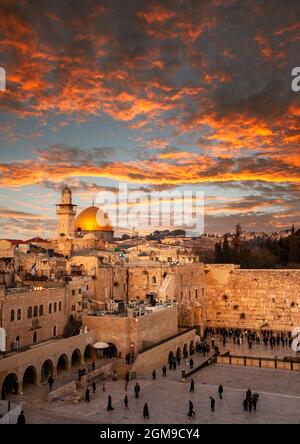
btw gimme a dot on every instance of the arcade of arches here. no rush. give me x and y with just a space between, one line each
15 383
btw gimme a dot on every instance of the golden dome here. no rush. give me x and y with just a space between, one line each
93 219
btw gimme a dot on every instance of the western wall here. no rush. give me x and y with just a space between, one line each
255 299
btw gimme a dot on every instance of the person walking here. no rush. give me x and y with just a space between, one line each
109 403
191 363
192 387
250 404
248 394
191 412
154 374
164 371
220 391
93 365
254 400
126 402
21 418
245 405
212 403
137 389
50 382
94 386
146 411
87 395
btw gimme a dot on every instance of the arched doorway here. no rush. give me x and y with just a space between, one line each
111 351
88 352
76 358
10 385
185 351
192 348
178 355
29 376
62 363
170 359
47 370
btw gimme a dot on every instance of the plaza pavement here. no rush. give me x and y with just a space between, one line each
167 398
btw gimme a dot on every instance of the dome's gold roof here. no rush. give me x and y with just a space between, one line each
93 219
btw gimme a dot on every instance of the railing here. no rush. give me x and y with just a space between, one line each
288 363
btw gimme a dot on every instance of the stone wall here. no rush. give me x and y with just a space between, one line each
253 299
157 356
129 334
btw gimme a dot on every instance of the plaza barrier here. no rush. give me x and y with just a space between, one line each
253 361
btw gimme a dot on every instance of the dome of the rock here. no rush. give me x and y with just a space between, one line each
93 219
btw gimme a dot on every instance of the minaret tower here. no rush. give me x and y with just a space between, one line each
66 213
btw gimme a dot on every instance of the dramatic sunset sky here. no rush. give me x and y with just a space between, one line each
173 94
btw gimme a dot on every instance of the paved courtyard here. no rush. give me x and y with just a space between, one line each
168 398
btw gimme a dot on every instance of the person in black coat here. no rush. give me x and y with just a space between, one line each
87 395
212 403
191 413
109 404
94 387
21 418
126 402
137 389
220 390
50 382
192 387
146 411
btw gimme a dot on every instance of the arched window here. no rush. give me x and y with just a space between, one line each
55 307
50 308
29 313
54 331
41 310
35 311
59 306
35 336
19 314
12 315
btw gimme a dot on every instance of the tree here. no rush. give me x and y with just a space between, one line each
227 255
293 247
218 253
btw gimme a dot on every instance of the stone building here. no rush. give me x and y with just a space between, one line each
30 315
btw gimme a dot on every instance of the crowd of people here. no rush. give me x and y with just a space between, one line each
268 338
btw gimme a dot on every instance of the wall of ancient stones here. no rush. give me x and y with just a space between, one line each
253 299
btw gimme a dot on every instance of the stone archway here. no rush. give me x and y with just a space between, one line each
62 363
76 358
178 355
88 352
10 385
30 376
185 351
192 348
46 370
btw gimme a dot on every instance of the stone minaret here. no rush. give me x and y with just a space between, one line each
66 213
